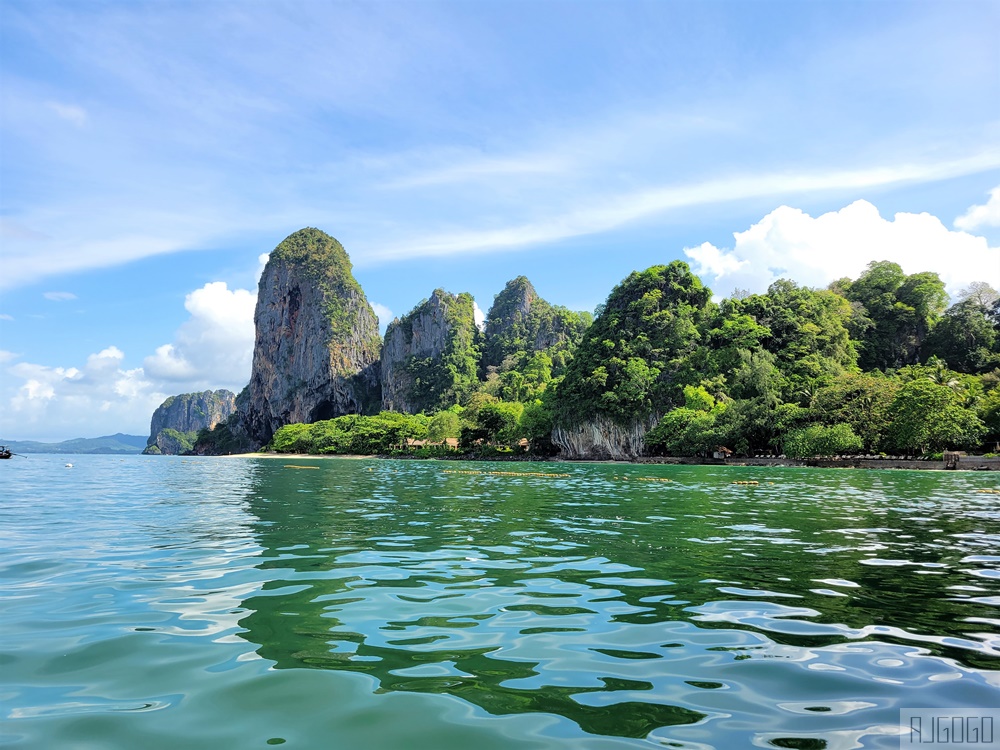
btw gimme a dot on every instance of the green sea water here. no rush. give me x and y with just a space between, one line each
159 602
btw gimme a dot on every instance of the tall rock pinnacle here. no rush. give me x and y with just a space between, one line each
317 343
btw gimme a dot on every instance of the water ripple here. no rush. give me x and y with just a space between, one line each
156 602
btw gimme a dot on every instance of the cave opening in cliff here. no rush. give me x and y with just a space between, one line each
323 410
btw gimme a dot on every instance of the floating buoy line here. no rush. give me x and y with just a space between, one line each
644 479
988 492
295 466
507 473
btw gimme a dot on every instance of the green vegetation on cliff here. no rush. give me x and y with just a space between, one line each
527 341
449 378
641 349
873 364
781 372
324 260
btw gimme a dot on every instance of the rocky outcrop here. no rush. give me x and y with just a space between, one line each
185 415
520 322
601 439
430 355
316 350
171 443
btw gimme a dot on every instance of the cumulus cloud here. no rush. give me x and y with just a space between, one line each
789 243
987 215
59 296
101 397
479 315
214 347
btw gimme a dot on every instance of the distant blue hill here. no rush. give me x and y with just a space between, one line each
118 443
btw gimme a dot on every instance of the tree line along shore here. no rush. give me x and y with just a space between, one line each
885 364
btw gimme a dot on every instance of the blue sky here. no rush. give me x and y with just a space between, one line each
150 153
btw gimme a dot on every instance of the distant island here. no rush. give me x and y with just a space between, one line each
118 443
868 366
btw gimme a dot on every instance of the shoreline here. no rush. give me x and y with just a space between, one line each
967 463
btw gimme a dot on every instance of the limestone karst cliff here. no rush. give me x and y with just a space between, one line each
600 439
178 419
430 356
316 350
520 323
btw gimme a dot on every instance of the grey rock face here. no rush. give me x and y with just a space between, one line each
602 439
317 345
423 336
189 412
422 333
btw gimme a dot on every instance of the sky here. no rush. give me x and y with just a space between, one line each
153 153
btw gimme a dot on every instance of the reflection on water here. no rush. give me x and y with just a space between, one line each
634 608
163 603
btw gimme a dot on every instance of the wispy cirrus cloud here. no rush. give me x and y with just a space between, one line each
610 211
69 112
59 296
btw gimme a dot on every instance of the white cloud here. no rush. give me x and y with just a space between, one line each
99 398
214 347
479 316
460 170
789 243
41 257
69 112
611 211
384 314
59 296
977 216
5 316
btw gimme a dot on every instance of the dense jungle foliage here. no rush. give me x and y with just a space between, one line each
880 363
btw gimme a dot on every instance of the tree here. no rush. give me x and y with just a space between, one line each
688 430
807 331
638 353
966 338
499 422
536 425
981 294
444 424
861 400
895 315
684 432
989 413
927 416
820 440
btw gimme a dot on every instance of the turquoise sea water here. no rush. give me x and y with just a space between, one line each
157 602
